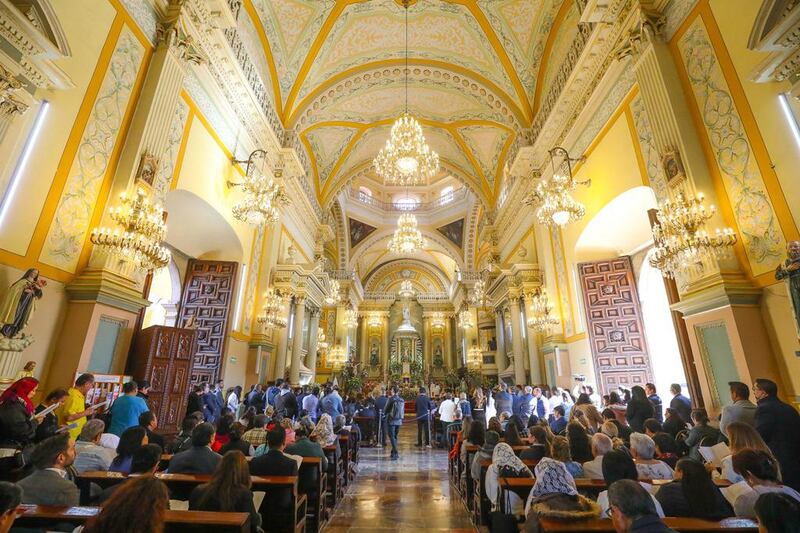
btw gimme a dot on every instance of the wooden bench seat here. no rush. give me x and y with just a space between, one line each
176 521
693 525
523 485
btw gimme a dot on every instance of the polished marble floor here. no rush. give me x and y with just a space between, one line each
411 494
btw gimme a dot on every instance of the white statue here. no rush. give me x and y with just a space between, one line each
406 313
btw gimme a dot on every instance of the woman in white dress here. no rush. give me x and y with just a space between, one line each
491 410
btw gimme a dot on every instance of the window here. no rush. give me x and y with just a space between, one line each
364 194
447 194
406 203
237 314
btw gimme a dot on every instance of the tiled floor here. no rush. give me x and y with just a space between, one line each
411 494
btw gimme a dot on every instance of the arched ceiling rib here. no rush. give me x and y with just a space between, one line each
372 251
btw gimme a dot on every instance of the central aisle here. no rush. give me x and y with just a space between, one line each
410 494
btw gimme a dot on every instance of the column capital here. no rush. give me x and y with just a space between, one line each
171 35
647 27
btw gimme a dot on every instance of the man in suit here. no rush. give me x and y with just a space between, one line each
285 403
778 423
680 403
742 410
277 502
559 422
503 401
199 459
423 406
49 484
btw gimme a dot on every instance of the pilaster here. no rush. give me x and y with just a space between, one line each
516 338
311 357
297 339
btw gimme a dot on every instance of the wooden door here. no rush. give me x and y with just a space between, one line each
616 331
207 296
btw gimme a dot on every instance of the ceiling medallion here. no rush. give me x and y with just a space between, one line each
552 201
682 245
407 238
406 159
262 195
539 318
143 231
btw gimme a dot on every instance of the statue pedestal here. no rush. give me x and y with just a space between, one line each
10 358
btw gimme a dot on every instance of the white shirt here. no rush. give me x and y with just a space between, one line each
447 411
233 402
602 501
594 469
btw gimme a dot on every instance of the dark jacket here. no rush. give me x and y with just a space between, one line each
422 405
534 452
195 460
380 404
682 405
304 447
673 425
274 463
398 411
285 405
674 503
211 407
194 403
238 444
658 411
182 442
779 425
17 429
650 524
699 434
48 426
155 438
243 503
504 402
45 487
637 412
560 507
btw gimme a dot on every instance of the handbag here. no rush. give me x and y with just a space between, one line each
503 520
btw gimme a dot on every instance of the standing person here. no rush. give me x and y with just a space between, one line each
195 400
73 410
49 424
380 417
479 406
233 399
219 392
638 410
540 405
464 405
395 411
655 399
210 410
144 391
331 403
126 409
742 410
447 415
503 401
273 390
679 402
17 422
422 408
779 425
311 404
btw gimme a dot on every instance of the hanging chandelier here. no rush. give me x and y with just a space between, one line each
274 310
682 244
437 320
552 199
262 196
539 318
478 295
465 319
406 289
375 320
407 238
406 159
140 235
474 357
337 356
350 319
332 289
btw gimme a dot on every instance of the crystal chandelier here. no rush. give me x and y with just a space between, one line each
474 357
350 319
406 159
407 238
478 295
332 289
551 199
262 195
375 320
539 318
140 235
465 319
274 311
682 244
337 356
437 320
406 289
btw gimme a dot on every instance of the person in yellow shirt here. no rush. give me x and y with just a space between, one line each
73 410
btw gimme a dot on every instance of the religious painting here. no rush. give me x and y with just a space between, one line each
454 232
673 167
358 231
148 167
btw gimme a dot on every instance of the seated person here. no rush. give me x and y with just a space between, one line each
139 505
258 435
741 436
183 441
511 435
49 484
693 494
305 447
288 427
561 453
643 450
631 509
558 423
199 459
275 463
580 446
144 463
777 513
131 440
235 441
701 434
623 431
505 464
601 445
652 426
666 448
149 422
10 498
485 453
617 464
539 448
760 470
89 455
555 496
673 423
228 490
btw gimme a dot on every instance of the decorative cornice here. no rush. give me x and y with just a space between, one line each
109 288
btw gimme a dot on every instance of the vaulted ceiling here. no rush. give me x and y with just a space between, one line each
477 70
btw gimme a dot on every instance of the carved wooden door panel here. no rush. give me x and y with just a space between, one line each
207 295
616 332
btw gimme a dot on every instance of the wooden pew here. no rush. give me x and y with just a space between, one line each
313 482
176 521
694 525
344 444
523 485
335 474
184 483
482 506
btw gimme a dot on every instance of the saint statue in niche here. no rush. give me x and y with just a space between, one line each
374 360
790 271
406 313
19 303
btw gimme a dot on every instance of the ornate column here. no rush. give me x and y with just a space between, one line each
280 355
533 349
363 344
385 351
516 338
10 106
500 332
297 338
311 356
426 344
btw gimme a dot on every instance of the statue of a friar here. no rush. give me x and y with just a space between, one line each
790 271
19 303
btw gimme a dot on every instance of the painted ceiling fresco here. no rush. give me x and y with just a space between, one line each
476 72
